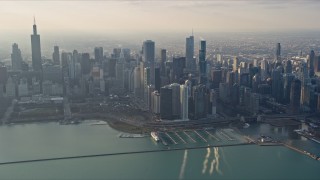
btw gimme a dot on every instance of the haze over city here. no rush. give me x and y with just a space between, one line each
136 16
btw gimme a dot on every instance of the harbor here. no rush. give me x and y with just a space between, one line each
197 136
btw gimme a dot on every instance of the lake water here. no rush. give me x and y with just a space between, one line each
50 140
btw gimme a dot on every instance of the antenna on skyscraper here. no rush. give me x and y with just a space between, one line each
34 19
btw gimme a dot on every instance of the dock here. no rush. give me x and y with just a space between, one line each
189 136
302 152
195 131
180 137
171 138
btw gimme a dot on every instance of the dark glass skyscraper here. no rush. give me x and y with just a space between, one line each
148 57
56 55
190 53
311 63
278 53
295 96
288 67
277 86
36 50
98 54
163 55
166 103
202 63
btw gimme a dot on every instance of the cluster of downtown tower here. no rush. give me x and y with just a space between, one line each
177 88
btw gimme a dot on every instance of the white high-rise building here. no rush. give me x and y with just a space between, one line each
184 101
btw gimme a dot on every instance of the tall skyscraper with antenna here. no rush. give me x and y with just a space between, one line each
278 55
190 62
36 49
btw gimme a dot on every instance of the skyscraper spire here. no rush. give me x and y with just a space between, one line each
34 25
36 49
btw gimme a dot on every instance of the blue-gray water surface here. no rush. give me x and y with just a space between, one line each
46 140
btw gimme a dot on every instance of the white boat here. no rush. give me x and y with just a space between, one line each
155 136
246 125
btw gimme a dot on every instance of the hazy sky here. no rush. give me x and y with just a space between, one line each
107 16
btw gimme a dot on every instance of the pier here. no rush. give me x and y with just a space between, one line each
200 136
301 151
180 137
278 143
213 136
189 136
171 138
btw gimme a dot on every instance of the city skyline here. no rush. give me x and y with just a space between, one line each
131 16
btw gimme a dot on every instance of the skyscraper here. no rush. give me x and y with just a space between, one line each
295 96
202 62
16 58
235 64
288 67
3 75
178 66
311 62
288 78
85 64
163 55
98 54
36 50
166 103
176 106
277 85
148 57
190 63
264 69
278 52
56 55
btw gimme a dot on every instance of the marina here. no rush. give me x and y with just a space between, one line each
211 136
